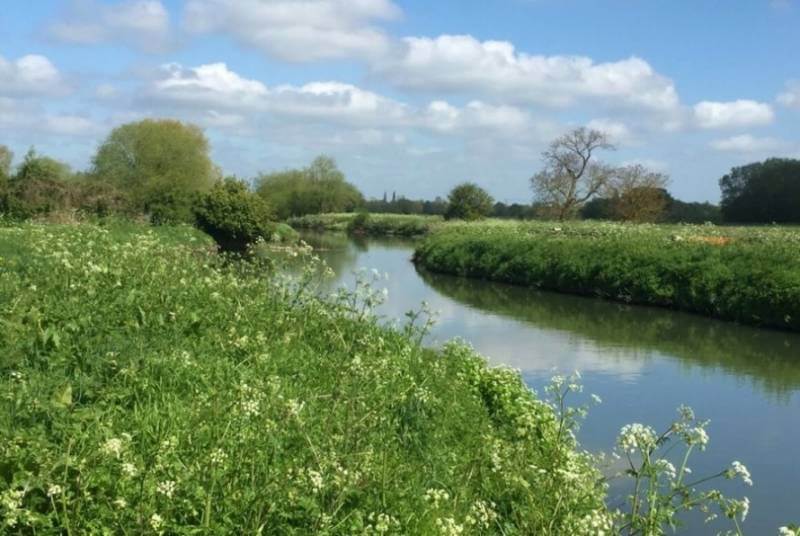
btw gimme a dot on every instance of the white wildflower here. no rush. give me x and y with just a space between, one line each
156 522
166 488
436 496
113 447
636 436
129 469
54 490
120 503
739 469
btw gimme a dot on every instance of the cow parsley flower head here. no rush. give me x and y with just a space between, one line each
739 469
636 436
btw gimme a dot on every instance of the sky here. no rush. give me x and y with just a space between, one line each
412 96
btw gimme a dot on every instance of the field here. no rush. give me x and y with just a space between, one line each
151 386
746 274
405 225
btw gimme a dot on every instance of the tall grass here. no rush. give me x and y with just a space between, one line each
750 275
151 387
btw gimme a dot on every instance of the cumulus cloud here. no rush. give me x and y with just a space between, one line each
29 75
739 113
141 23
747 143
21 116
617 131
791 96
297 30
461 63
222 97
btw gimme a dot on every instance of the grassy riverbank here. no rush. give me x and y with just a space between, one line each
405 225
750 275
153 387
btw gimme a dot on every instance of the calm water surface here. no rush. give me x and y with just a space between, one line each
642 362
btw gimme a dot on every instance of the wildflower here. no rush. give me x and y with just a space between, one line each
120 503
294 407
666 467
156 522
786 531
166 488
739 469
436 496
696 436
448 527
54 490
317 482
129 469
636 436
218 457
112 447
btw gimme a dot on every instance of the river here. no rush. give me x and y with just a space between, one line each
643 362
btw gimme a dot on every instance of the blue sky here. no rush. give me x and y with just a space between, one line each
412 96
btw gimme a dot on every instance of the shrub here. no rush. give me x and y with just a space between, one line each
233 215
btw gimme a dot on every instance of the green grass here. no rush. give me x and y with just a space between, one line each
405 225
747 274
150 386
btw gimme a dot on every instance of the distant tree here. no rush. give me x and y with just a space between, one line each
162 164
598 208
571 176
319 188
638 194
41 185
468 201
6 157
762 192
693 212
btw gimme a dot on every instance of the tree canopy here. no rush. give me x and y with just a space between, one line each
160 163
762 192
318 188
468 201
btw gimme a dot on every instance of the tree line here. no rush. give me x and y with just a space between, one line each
161 170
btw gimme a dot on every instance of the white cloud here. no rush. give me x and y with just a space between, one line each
791 96
461 63
441 116
739 113
24 116
207 85
29 75
618 132
297 30
747 143
142 23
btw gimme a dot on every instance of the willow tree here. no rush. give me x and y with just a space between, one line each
572 175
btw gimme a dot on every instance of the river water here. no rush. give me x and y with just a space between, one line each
643 362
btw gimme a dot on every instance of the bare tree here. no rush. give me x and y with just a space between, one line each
570 176
638 194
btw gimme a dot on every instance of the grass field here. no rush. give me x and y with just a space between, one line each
747 274
153 387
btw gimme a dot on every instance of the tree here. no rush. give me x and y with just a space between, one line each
570 176
161 163
233 215
319 188
41 185
638 194
468 201
6 157
762 192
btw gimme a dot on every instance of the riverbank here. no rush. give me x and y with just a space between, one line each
153 386
748 275
401 225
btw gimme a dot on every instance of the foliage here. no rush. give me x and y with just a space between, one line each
150 387
468 201
319 188
748 275
638 194
39 186
233 216
370 224
763 192
571 175
6 158
161 164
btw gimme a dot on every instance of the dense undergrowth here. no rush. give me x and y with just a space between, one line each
749 275
150 386
405 225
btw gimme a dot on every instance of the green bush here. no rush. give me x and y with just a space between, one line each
468 201
233 215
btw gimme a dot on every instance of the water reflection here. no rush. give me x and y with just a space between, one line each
627 333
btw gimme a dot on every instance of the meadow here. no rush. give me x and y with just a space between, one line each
745 274
152 386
